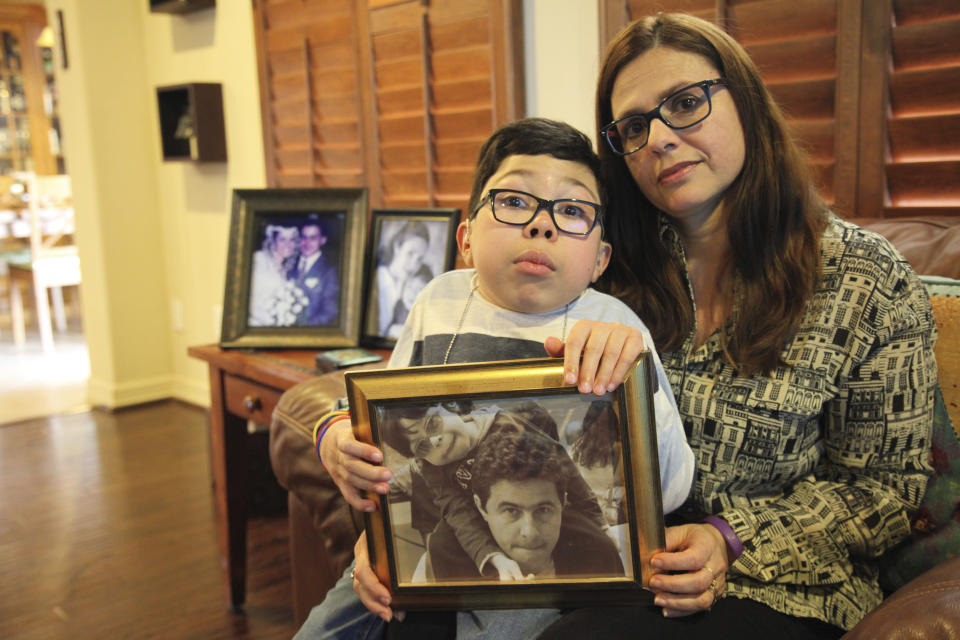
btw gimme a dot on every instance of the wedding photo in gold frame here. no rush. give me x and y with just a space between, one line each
294 268
509 488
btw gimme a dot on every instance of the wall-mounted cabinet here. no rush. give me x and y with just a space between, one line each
180 6
191 122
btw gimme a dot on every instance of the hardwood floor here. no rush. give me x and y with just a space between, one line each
107 531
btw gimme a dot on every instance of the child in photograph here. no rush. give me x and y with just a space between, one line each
534 242
445 439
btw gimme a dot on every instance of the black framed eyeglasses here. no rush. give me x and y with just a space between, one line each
509 206
679 110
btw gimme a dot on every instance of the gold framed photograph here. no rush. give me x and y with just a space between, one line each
294 268
509 488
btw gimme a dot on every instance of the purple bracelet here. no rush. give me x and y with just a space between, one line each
733 540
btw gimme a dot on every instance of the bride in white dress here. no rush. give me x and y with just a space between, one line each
268 279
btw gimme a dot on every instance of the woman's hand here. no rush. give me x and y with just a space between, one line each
349 463
597 355
700 553
372 592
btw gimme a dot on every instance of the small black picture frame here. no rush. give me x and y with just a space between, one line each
408 247
294 268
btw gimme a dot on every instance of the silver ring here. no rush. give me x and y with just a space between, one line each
353 574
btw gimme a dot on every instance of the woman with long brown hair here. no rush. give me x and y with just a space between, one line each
799 348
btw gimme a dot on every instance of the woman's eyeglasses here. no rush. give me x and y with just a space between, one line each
681 109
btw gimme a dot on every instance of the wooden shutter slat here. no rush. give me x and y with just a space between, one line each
924 183
335 55
288 136
463 152
454 180
333 156
461 63
444 10
925 137
400 100
705 9
402 16
462 124
816 137
406 183
400 44
462 92
812 99
337 133
331 108
793 60
403 129
910 11
754 22
927 91
396 156
460 33
928 44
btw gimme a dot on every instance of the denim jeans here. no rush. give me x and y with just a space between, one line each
341 616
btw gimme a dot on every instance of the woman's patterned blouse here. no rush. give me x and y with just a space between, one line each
817 465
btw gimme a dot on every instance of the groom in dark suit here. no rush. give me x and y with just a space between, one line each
316 277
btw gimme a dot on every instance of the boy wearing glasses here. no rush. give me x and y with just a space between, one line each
534 242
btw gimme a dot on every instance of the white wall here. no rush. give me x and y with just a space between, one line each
562 60
152 234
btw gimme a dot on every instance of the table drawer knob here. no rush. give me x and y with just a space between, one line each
251 403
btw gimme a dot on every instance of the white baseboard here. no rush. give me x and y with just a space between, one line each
113 395
192 390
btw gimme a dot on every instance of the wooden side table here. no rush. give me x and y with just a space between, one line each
244 385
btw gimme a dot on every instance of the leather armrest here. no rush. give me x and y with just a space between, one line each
294 460
926 607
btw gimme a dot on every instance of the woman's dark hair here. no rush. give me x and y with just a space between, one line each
532 137
774 217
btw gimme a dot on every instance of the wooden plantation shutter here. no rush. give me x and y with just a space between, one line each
401 93
918 68
870 87
310 92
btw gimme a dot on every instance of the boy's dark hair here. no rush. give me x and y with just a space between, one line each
533 137
391 432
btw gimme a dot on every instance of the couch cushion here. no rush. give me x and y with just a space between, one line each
936 524
931 245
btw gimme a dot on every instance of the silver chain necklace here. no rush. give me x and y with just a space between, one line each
463 314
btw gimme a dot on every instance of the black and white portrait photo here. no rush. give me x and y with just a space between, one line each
410 248
505 490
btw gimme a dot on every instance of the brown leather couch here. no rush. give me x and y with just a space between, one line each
323 528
